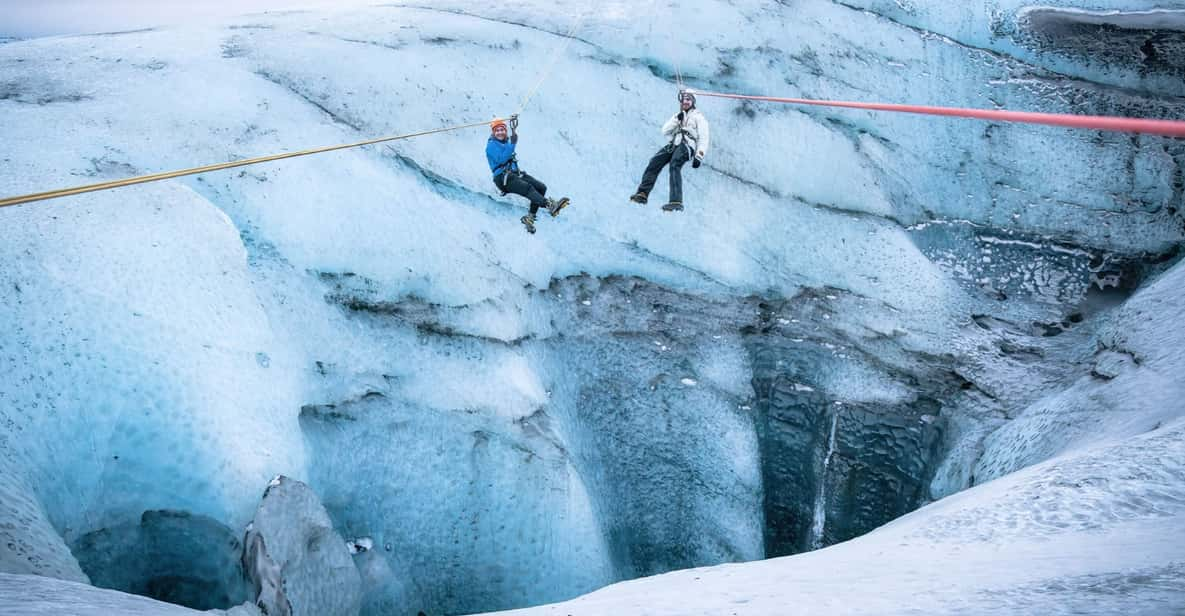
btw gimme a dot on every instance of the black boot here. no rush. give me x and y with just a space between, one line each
674 206
639 197
529 222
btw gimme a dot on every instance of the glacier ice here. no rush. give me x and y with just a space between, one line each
30 543
117 370
1094 527
858 313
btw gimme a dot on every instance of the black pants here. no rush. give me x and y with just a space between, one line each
674 155
524 185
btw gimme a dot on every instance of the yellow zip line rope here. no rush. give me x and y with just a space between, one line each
166 175
155 177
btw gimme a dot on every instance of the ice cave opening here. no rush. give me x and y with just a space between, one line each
171 556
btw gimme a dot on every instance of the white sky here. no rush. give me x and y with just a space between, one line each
30 18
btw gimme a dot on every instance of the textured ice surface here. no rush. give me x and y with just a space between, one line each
468 502
1134 44
131 378
858 313
134 363
1096 528
28 542
1134 385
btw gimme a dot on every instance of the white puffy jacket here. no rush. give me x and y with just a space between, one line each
693 130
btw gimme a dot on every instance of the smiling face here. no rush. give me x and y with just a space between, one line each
686 102
500 132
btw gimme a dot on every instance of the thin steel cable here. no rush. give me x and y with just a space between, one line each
570 36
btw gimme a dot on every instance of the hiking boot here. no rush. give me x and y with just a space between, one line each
639 197
554 207
674 206
528 222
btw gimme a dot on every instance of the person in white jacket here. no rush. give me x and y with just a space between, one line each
687 134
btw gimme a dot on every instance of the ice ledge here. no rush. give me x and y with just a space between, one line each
1042 17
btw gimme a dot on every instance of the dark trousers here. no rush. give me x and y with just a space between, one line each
674 155
519 183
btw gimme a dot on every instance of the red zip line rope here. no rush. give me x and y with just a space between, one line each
1167 128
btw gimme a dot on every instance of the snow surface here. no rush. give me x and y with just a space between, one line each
23 595
514 420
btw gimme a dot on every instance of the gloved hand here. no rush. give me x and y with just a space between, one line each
697 162
514 122
680 116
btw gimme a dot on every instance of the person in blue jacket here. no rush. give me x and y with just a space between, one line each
510 179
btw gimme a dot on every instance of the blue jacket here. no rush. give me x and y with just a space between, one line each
500 154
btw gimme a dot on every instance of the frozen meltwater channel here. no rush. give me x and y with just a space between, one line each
351 384
820 519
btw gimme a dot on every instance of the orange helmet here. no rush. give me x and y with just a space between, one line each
496 123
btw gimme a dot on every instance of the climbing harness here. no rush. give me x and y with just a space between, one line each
683 132
501 179
1167 128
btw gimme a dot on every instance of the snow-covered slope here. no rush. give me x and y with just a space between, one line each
857 313
42 596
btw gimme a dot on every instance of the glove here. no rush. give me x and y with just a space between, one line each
514 122
680 116
697 162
